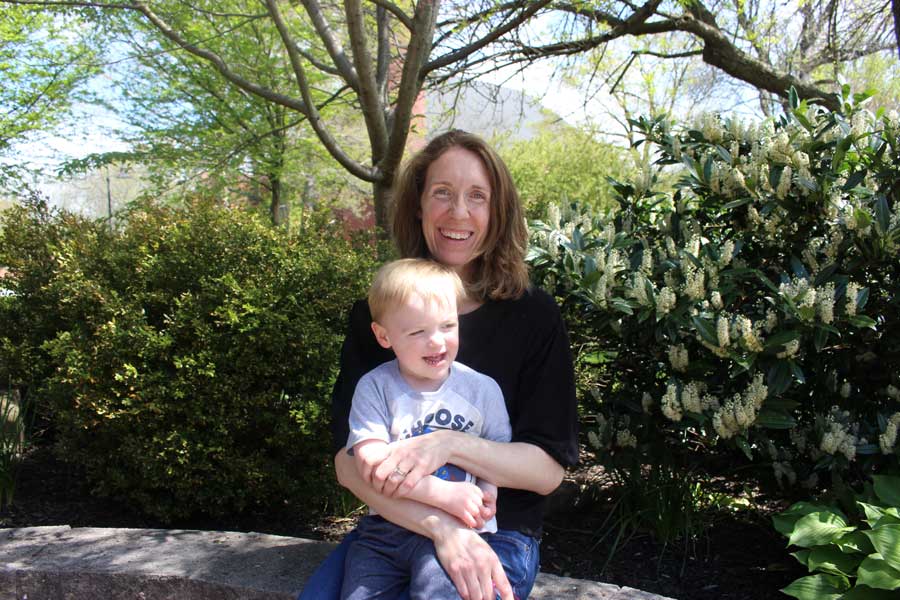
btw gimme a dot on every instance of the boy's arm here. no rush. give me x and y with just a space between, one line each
462 500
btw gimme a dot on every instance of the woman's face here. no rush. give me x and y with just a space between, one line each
455 208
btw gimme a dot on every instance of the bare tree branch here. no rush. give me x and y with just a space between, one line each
895 6
312 114
685 54
74 4
396 11
411 79
332 45
383 53
495 34
325 68
218 63
371 100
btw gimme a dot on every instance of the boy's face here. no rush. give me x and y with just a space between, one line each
424 335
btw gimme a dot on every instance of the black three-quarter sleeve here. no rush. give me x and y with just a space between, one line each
359 355
545 405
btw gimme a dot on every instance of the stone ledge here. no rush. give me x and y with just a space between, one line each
53 563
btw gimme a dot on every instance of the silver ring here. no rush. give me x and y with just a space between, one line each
397 471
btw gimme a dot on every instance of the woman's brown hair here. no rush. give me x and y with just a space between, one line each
499 269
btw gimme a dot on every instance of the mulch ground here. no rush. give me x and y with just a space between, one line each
737 556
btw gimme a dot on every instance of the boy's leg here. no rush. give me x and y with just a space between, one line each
376 567
325 582
428 579
518 553
520 556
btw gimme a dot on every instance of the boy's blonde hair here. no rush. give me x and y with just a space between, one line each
396 281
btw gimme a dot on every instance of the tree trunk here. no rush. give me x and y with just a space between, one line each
277 210
895 4
382 202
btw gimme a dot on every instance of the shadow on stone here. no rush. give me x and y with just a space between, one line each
157 564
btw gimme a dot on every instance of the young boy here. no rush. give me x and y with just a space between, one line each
413 304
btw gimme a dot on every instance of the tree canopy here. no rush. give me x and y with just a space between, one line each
377 56
43 66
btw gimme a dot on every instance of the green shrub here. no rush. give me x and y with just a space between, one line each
13 442
189 354
850 562
752 308
564 164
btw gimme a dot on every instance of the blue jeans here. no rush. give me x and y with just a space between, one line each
518 553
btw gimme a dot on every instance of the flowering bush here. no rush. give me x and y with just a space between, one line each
754 305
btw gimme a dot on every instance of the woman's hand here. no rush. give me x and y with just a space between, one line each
409 461
472 565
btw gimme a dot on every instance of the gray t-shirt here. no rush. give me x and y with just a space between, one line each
386 408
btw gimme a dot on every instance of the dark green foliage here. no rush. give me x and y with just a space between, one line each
185 359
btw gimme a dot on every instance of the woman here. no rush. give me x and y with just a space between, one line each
456 203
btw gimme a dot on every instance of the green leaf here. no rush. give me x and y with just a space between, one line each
809 184
818 587
622 306
820 338
784 522
742 443
862 217
782 404
824 275
797 371
779 378
830 559
724 154
887 488
799 268
800 115
775 173
781 338
774 419
802 557
706 330
886 539
861 298
890 517
855 541
873 513
855 178
793 98
864 592
877 573
862 321
737 203
819 528
882 214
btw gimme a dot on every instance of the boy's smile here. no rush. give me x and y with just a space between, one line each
424 334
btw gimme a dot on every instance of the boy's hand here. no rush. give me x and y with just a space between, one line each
489 503
368 454
463 500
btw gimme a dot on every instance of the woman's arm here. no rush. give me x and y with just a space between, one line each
513 465
471 564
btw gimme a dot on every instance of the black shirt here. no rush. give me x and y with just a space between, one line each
523 345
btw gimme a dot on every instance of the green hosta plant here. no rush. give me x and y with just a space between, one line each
753 306
848 561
